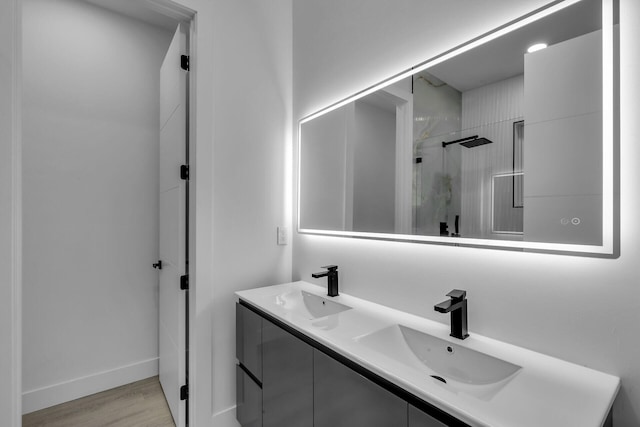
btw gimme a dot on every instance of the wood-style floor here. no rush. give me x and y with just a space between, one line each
139 404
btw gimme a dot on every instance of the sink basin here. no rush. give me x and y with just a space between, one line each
308 305
459 368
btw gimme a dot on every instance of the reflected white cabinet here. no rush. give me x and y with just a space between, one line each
563 142
344 398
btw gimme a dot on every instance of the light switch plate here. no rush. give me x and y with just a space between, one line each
282 235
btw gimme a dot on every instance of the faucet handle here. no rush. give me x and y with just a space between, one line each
330 267
457 294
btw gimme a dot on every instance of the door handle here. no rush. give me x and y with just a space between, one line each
158 265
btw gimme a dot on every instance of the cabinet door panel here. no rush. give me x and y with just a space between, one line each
287 384
249 340
248 400
417 418
344 398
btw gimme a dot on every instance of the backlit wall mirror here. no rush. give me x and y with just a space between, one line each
507 141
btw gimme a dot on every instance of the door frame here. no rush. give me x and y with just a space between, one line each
14 264
199 15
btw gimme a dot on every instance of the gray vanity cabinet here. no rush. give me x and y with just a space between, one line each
249 367
248 400
344 398
249 340
287 384
417 418
284 380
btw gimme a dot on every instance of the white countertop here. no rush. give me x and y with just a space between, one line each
546 392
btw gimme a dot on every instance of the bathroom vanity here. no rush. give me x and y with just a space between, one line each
306 359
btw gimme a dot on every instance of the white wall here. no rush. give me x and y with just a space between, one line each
90 194
585 310
251 169
9 215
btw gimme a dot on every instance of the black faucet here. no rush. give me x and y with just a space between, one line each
457 306
332 276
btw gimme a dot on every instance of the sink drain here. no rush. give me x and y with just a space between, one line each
439 378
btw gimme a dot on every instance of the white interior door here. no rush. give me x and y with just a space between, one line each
173 227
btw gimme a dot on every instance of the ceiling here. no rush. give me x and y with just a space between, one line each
503 57
143 10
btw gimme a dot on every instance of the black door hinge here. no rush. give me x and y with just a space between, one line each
184 282
184 62
184 172
184 392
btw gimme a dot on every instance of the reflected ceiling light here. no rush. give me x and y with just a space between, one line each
536 47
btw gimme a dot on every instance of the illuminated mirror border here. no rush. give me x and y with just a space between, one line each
609 221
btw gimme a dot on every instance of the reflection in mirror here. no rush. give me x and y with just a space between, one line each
350 177
518 141
506 217
488 143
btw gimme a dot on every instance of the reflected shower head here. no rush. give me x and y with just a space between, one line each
476 142
469 142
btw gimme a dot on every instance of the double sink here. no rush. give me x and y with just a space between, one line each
457 367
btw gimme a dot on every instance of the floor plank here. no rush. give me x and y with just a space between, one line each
139 404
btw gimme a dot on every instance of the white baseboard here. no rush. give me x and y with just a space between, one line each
34 400
225 418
